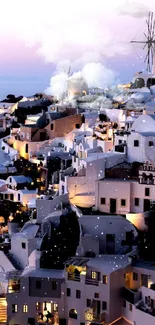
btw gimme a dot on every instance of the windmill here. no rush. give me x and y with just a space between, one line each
149 43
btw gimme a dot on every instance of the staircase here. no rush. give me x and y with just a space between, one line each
3 310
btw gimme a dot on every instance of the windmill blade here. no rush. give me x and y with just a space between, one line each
151 23
152 54
145 46
146 36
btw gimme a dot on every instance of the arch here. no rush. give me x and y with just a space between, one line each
73 314
138 83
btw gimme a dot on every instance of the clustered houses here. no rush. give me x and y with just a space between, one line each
76 261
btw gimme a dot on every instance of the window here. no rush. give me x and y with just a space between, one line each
54 285
25 308
119 141
38 284
52 127
18 197
93 275
136 201
136 143
130 307
14 308
10 179
88 303
11 197
150 143
73 314
78 294
68 292
147 191
38 306
124 303
77 126
96 295
75 159
105 279
26 148
123 202
103 200
135 276
24 245
55 307
104 305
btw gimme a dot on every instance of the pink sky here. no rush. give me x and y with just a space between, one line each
37 35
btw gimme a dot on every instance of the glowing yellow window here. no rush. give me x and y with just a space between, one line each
93 275
25 308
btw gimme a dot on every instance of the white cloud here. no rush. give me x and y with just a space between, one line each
94 74
62 30
134 9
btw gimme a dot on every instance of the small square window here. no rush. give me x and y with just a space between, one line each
103 200
38 284
78 294
135 276
105 279
77 126
150 143
123 202
88 303
119 141
136 201
68 292
96 295
104 305
23 245
130 307
136 143
54 285
93 275
147 191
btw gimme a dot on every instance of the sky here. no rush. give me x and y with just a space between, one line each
40 38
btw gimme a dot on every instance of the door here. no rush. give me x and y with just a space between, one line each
112 205
146 205
110 243
144 280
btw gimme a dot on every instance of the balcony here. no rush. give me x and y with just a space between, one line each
132 296
13 286
74 277
90 281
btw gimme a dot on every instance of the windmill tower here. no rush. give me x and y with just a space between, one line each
149 43
67 71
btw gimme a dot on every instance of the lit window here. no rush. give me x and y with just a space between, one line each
105 279
38 306
55 307
25 308
14 308
93 275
